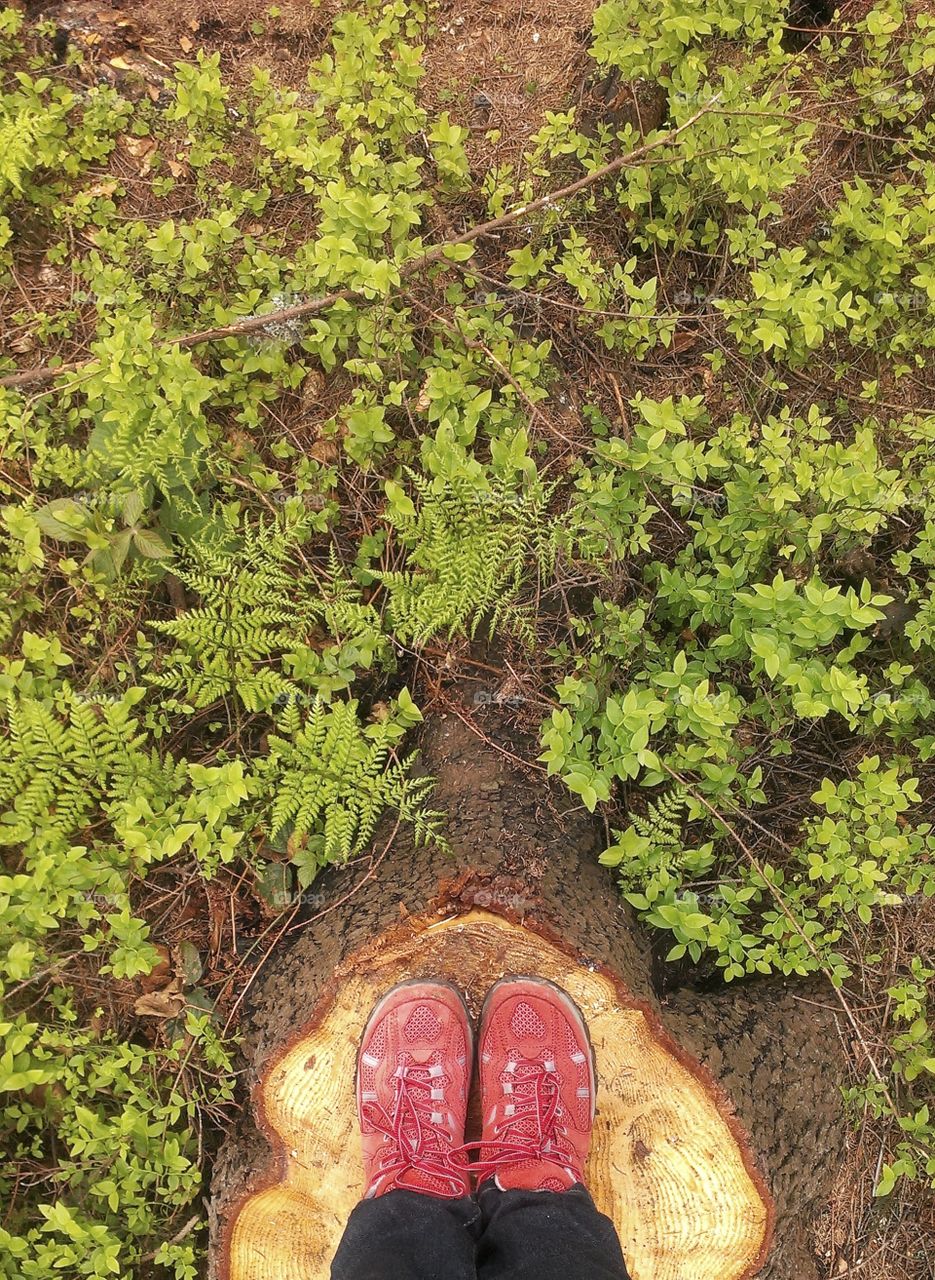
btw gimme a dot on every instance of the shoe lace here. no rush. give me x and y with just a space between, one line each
416 1142
532 1129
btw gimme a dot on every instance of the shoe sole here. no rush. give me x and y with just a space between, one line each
567 1003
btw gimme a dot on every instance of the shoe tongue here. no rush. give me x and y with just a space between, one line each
525 1086
418 1066
418 1070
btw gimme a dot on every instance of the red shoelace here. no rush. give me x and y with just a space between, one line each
531 1131
417 1144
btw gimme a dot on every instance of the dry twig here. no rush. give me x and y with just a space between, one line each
257 323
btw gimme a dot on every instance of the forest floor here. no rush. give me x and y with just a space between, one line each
494 65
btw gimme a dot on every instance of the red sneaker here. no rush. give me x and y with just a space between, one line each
538 1087
413 1074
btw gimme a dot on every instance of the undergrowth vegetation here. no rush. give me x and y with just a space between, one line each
669 439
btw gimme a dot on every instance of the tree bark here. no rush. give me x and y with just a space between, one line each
774 1048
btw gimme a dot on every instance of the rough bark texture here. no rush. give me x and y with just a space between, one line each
775 1050
520 849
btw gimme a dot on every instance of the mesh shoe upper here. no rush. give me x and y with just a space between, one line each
537 1087
413 1072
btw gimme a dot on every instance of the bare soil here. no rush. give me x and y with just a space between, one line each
498 67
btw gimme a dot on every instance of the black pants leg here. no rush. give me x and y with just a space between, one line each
506 1235
546 1235
407 1236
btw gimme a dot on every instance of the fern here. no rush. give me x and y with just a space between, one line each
58 761
652 860
662 825
332 779
469 547
653 845
260 631
17 146
32 134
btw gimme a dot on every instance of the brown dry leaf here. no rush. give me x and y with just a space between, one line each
217 909
26 342
296 843
105 188
121 64
167 1003
683 339
185 44
89 37
153 91
139 147
194 24
188 964
158 976
323 451
143 150
177 170
314 385
241 443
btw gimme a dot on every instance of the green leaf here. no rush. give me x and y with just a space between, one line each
132 507
63 519
409 712
119 548
459 252
399 499
149 544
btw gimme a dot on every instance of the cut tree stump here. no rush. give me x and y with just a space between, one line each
706 1133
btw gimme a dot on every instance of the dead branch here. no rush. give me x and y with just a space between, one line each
41 374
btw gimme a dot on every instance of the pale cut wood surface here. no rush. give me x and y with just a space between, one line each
664 1164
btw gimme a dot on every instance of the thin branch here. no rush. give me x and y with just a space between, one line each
257 323
179 1236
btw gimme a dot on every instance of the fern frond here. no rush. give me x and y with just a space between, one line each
662 825
255 633
470 548
331 782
